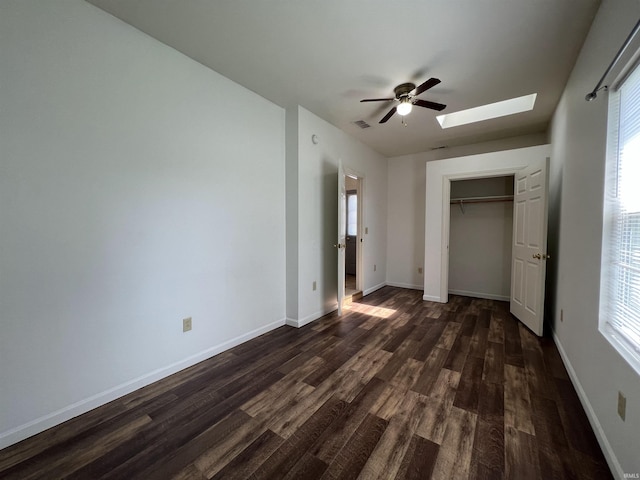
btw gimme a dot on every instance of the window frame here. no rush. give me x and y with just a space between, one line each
625 346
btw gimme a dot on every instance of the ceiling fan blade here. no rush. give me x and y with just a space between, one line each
377 100
388 115
428 104
432 82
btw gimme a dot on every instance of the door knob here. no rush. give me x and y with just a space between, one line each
541 256
537 255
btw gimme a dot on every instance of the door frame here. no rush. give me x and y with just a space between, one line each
439 174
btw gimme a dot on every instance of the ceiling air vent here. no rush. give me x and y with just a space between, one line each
362 124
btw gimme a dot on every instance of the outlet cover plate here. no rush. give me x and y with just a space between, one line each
622 406
186 324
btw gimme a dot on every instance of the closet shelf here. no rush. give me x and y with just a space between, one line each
489 199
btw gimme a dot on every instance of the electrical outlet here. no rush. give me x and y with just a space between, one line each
374 267
186 324
314 286
622 406
420 270
562 315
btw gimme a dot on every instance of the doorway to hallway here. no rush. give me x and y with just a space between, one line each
353 236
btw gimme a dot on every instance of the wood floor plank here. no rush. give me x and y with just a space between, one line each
430 371
553 449
491 403
354 455
82 456
521 455
284 459
419 460
494 363
224 451
517 403
468 392
448 336
327 446
458 353
479 339
190 472
454 457
512 343
397 360
147 447
428 342
342 386
484 316
468 325
396 387
308 468
250 458
574 420
553 360
435 420
540 382
496 328
398 338
386 459
488 449
187 454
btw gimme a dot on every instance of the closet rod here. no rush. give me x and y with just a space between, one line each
507 198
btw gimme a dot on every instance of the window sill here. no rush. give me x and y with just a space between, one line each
628 353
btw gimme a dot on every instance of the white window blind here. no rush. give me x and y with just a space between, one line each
620 282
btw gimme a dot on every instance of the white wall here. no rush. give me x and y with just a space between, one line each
578 136
120 213
317 214
480 237
406 194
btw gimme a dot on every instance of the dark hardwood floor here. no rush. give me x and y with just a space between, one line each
396 388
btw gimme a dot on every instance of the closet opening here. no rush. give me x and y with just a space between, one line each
480 237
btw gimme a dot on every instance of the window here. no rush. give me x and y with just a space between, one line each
620 280
352 213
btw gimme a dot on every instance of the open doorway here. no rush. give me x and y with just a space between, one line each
353 222
480 233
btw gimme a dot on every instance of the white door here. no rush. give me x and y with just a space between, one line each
529 255
342 233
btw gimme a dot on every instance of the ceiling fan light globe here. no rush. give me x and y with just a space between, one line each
404 108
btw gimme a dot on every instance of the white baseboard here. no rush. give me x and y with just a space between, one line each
310 318
291 322
612 460
41 424
405 285
432 298
489 296
314 316
369 291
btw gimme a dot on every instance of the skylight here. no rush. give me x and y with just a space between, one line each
486 112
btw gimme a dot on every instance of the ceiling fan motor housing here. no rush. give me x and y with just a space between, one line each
403 90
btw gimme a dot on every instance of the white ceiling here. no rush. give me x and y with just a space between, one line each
327 55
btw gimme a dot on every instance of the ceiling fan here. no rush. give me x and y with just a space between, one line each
404 95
